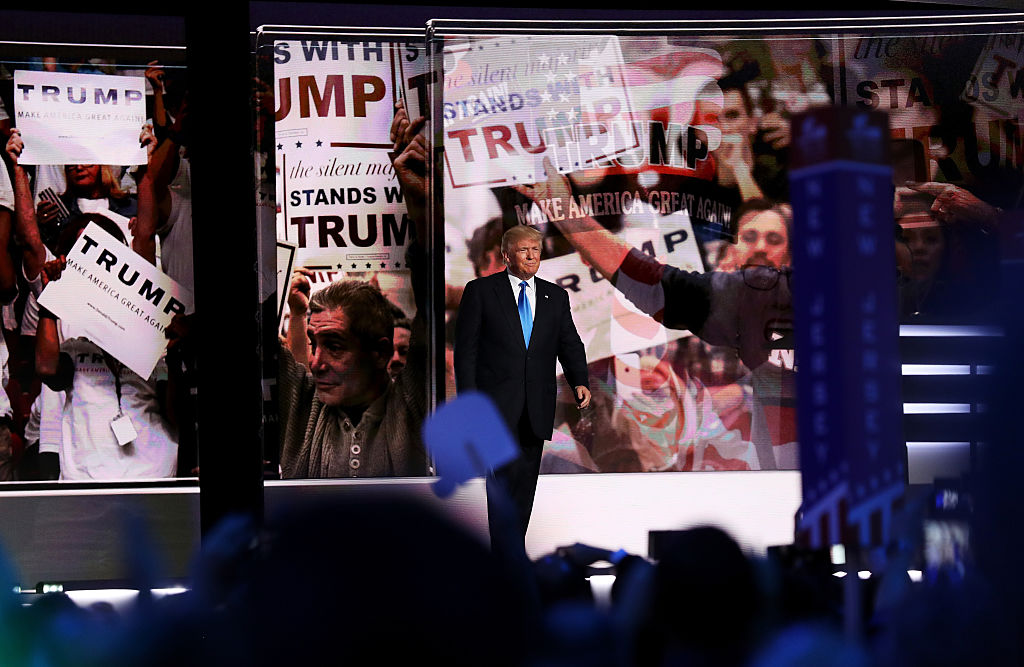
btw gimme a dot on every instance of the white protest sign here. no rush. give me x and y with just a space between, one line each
416 78
607 322
116 299
343 209
340 93
339 200
511 102
80 118
998 77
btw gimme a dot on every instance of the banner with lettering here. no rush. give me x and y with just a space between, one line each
955 98
68 118
511 102
338 199
115 298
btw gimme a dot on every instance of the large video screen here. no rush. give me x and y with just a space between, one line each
96 281
657 169
352 363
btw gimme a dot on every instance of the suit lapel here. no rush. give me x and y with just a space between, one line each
542 316
507 305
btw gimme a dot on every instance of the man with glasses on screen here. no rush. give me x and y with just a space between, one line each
749 309
762 236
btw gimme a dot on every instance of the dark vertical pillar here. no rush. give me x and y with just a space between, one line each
227 296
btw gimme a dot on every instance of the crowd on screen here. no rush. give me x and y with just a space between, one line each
703 396
61 391
945 241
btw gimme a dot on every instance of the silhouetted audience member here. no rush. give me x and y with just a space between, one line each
561 580
705 602
371 582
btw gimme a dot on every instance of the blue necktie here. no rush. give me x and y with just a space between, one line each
525 316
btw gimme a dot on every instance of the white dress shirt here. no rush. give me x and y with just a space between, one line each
531 293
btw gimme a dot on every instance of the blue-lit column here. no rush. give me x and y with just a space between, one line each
852 453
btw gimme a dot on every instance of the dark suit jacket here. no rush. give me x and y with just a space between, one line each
491 355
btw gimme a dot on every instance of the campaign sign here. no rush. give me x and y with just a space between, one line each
116 299
510 102
417 78
80 118
341 93
343 209
998 75
339 201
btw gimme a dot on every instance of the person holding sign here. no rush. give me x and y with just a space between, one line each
8 292
512 327
113 422
91 188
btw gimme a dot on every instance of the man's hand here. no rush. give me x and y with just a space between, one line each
298 292
955 205
147 139
15 145
556 186
727 260
409 158
402 130
411 168
298 303
179 330
155 75
582 396
53 269
735 161
776 130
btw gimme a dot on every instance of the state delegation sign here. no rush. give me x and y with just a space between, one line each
80 118
117 299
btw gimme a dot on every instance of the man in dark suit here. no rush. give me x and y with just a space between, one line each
511 328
